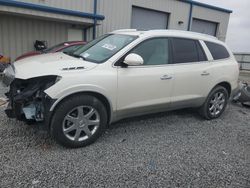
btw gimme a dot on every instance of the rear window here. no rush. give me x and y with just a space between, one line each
218 51
187 50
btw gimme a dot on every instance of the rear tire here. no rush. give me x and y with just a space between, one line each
215 103
79 121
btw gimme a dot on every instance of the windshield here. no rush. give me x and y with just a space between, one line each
104 47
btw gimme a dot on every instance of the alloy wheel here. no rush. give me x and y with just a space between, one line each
81 123
217 103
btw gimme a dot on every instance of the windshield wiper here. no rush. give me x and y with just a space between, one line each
75 55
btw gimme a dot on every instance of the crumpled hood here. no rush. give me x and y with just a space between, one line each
49 64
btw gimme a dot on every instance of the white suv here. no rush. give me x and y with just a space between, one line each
122 74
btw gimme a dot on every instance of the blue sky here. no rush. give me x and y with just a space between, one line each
238 34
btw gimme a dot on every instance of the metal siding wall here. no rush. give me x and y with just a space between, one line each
79 5
118 13
117 16
179 11
89 34
17 34
205 27
221 18
147 19
45 15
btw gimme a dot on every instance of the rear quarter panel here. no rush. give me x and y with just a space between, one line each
224 71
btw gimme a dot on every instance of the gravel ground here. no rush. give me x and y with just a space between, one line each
173 149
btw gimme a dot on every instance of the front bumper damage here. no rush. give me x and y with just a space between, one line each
28 102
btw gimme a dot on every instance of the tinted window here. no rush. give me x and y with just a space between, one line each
187 50
153 51
218 51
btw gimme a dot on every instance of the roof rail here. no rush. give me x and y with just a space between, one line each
182 31
200 34
124 30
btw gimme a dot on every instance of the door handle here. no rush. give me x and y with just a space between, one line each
166 77
205 73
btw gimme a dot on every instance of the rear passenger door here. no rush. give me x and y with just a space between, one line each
191 72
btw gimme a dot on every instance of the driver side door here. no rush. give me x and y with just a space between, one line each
146 88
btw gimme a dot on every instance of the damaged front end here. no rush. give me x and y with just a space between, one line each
28 101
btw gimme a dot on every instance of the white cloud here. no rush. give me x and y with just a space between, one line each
238 35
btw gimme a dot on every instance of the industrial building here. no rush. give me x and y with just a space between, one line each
22 22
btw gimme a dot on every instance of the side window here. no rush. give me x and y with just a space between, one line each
187 50
153 51
218 51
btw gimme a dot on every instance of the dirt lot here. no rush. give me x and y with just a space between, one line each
173 149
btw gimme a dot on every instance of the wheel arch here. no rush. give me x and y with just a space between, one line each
101 97
226 85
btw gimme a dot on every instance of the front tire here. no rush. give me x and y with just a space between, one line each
79 121
215 103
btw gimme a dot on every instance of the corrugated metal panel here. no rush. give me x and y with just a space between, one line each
117 16
203 26
179 11
89 34
17 34
221 18
118 13
146 19
45 15
79 5
111 10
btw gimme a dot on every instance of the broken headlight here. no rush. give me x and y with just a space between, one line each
24 89
27 97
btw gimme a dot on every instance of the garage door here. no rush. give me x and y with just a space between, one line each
145 19
203 26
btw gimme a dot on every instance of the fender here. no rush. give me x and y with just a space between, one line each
59 96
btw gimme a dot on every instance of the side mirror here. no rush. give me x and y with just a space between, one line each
133 59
